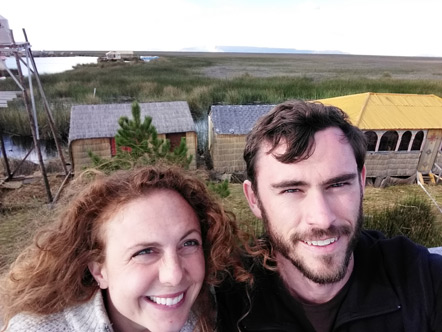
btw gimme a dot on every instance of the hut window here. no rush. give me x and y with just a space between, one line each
372 140
405 141
388 141
417 142
175 139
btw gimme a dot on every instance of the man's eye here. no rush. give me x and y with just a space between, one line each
339 184
290 191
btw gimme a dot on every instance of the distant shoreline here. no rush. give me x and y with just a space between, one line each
67 53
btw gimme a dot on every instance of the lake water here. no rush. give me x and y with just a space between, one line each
52 65
17 147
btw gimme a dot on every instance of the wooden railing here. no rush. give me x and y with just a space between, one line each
437 174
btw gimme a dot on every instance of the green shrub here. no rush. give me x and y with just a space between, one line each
411 217
221 188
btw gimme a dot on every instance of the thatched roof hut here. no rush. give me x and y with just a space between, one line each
404 131
228 127
93 128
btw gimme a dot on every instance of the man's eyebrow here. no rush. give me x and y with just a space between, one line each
300 183
289 183
340 178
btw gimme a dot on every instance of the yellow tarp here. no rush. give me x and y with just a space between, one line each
386 111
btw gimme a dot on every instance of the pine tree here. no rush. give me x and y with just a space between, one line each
137 143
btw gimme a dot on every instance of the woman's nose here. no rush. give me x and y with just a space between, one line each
171 271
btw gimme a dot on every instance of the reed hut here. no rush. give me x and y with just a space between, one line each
93 128
404 131
228 126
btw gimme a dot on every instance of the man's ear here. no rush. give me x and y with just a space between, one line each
252 198
99 273
363 179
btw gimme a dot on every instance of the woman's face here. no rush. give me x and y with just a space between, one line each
154 263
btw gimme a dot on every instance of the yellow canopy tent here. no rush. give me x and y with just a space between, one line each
389 111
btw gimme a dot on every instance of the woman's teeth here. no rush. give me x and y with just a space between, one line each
168 301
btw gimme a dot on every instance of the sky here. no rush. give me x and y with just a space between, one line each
376 27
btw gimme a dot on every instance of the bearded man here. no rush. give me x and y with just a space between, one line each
315 269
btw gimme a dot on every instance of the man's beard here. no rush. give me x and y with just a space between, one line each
287 247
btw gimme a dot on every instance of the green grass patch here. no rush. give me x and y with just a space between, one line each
412 217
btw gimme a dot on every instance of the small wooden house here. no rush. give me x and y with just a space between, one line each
93 128
404 131
228 126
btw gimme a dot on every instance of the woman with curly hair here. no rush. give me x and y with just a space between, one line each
134 251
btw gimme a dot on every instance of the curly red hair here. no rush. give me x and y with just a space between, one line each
52 273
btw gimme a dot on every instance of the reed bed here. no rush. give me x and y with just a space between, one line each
206 79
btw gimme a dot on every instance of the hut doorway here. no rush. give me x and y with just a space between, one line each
175 139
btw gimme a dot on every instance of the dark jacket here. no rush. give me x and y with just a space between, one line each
395 286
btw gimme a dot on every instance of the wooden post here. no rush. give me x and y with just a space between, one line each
47 109
32 125
5 157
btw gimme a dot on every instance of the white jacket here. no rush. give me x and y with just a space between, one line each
87 317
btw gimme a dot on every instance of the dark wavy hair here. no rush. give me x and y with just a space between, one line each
52 273
295 123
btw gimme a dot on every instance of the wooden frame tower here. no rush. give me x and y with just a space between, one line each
22 53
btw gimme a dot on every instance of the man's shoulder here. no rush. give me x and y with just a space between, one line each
397 253
406 270
398 245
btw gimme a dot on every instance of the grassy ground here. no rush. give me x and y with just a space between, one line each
25 208
21 211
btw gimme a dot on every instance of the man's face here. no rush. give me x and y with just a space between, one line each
312 209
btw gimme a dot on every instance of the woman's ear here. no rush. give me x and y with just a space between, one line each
99 273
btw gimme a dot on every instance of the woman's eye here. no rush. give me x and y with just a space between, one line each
191 243
146 256
190 246
146 251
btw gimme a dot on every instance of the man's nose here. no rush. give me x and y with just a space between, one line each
170 270
319 210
